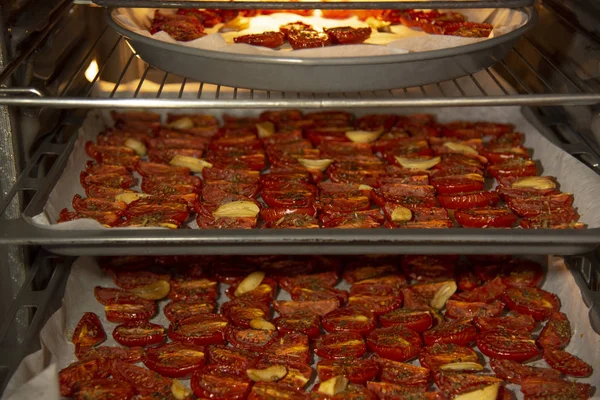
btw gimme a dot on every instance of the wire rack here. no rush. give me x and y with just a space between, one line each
119 78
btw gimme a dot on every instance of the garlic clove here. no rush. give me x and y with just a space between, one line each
421 163
249 283
192 163
237 209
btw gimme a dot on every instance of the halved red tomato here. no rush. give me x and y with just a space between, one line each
103 389
276 214
117 181
539 387
532 206
232 357
106 218
517 323
356 272
532 301
485 293
457 201
301 322
376 304
145 381
567 363
335 346
403 374
264 292
352 392
220 382
200 329
514 371
385 285
522 273
395 342
177 310
267 391
349 320
499 154
127 312
298 374
189 142
291 346
460 332
304 293
374 122
81 371
89 331
174 360
134 279
513 167
193 289
110 353
139 333
319 307
95 204
222 174
556 333
417 320
166 155
463 309
457 183
457 383
391 391
99 169
489 217
241 314
250 339
287 199
355 370
148 169
433 357
426 267
516 346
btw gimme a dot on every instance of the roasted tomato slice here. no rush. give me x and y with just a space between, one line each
457 183
103 389
106 218
108 180
567 363
302 293
391 391
376 304
148 169
250 339
355 370
544 388
241 312
357 272
178 310
268 391
99 169
384 286
145 381
556 333
517 323
514 371
193 289
128 312
532 301
335 346
463 309
424 268
134 279
139 333
298 374
94 204
522 273
319 307
352 220
301 322
395 343
89 331
439 354
264 292
507 345
417 320
457 201
232 357
460 332
110 353
489 217
513 168
291 346
489 291
349 320
321 279
81 371
458 383
200 329
347 35
352 392
403 374
174 360
265 39
220 382
287 199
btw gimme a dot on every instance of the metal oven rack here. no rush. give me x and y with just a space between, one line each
109 74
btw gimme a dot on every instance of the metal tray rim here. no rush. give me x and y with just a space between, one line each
388 59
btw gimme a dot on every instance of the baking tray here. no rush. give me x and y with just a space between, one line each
343 74
39 370
119 241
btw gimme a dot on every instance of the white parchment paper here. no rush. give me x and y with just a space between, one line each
38 372
573 176
401 40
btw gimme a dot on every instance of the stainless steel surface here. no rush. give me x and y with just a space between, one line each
310 4
586 271
39 296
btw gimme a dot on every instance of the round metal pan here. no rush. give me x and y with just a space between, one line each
344 74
